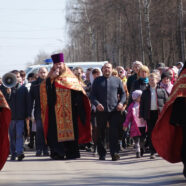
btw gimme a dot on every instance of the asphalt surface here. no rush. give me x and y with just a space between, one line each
88 170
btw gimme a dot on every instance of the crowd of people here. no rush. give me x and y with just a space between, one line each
101 110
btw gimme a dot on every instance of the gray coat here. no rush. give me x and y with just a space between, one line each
108 92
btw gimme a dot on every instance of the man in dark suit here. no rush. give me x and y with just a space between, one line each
17 99
109 97
34 96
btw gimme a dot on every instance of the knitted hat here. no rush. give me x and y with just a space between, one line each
136 94
160 65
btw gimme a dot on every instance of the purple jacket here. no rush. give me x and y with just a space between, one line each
134 130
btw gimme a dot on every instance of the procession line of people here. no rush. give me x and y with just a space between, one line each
104 107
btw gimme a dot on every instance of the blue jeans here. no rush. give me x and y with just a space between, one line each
40 140
16 132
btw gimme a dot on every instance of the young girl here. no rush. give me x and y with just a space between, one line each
138 126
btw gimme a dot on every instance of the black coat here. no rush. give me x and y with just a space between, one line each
34 99
178 115
4 91
130 81
145 102
18 101
137 85
107 91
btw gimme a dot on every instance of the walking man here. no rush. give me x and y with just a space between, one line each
34 95
109 97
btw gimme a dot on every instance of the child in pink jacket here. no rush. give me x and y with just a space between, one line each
138 125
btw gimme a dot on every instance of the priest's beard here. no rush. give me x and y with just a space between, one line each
62 70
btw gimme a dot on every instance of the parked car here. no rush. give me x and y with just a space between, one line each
83 65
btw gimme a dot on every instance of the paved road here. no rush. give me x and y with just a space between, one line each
88 170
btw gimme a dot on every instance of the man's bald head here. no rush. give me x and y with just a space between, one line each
107 69
43 72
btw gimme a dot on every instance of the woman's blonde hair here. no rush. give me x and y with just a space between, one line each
114 72
144 68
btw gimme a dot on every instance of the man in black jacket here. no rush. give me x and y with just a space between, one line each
18 101
108 96
34 96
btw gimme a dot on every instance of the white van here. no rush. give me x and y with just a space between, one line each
83 65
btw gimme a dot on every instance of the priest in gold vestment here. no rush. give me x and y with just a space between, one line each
65 111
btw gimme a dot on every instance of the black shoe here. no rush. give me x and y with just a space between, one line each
31 146
184 171
20 157
115 157
13 158
94 149
124 145
72 156
45 154
38 153
152 156
55 156
138 155
88 149
142 152
102 158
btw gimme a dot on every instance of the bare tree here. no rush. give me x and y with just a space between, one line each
122 31
141 31
181 29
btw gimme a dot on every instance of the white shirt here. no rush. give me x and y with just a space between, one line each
153 105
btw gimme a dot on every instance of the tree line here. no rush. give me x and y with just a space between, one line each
122 31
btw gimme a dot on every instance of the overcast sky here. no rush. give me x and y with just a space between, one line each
27 27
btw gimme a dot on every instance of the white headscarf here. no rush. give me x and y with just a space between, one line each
91 76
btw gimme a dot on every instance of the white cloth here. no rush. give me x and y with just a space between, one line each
33 126
91 76
28 85
153 105
135 110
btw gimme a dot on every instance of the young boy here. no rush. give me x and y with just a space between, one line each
151 104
